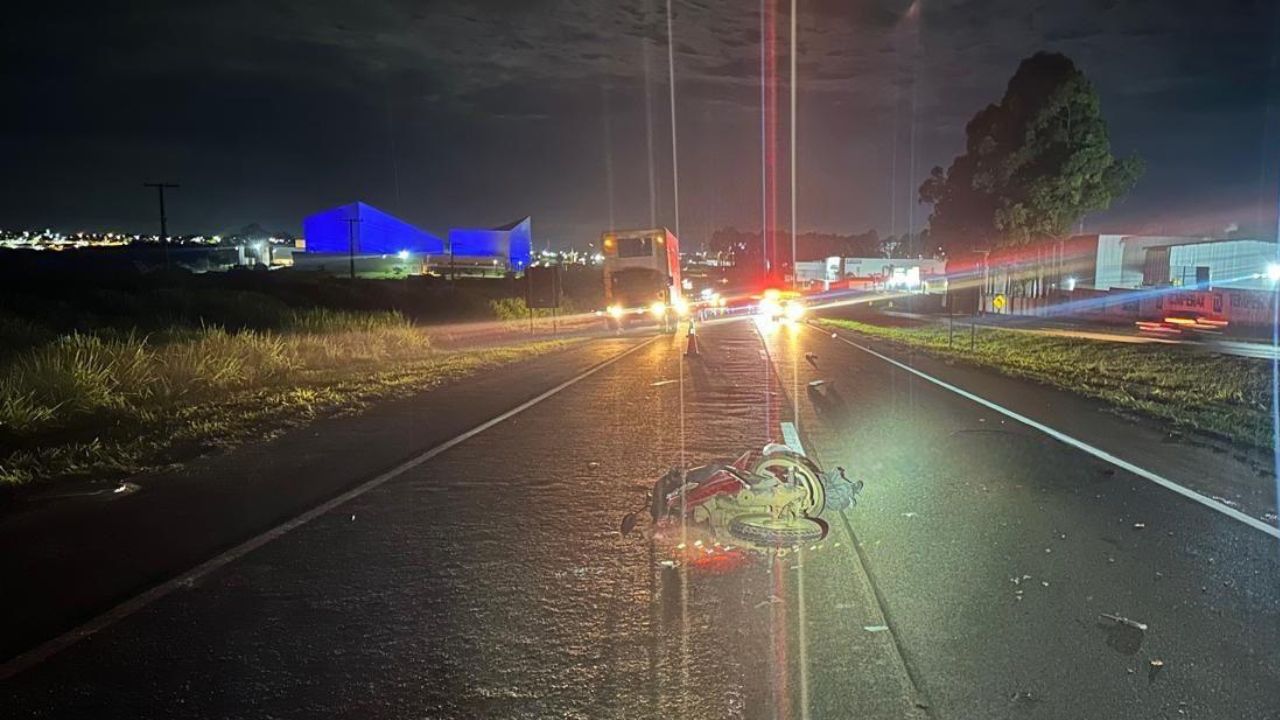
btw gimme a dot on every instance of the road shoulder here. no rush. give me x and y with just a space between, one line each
66 561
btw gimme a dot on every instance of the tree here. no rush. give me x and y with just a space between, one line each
1033 165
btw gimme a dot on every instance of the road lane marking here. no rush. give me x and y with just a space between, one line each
791 438
919 696
49 648
1103 455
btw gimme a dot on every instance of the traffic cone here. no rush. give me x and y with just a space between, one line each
692 349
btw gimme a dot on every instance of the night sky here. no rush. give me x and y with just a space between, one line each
454 113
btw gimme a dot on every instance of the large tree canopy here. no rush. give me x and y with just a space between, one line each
1033 165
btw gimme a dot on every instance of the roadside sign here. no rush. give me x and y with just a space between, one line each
544 287
998 302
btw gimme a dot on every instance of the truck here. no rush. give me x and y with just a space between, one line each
642 277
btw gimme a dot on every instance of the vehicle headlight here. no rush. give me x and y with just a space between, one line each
681 307
615 311
770 308
658 310
794 310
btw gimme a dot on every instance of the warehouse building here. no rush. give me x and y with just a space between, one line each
499 250
366 230
1218 264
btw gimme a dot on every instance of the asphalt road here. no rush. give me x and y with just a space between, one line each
490 580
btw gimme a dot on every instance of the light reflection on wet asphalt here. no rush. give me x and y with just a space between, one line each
490 582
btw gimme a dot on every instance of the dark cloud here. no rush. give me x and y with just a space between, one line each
452 112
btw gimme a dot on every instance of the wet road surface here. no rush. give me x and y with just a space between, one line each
490 581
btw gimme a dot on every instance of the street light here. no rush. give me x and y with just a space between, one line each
1273 272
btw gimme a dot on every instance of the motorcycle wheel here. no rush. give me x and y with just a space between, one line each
766 530
802 471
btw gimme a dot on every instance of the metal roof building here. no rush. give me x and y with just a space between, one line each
373 231
509 244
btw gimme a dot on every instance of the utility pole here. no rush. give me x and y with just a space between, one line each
164 221
351 244
675 157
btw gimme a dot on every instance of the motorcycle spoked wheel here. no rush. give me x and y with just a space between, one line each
767 531
802 471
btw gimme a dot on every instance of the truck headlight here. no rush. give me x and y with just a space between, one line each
658 309
681 306
794 311
615 312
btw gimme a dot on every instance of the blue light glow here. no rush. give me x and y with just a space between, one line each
511 243
377 233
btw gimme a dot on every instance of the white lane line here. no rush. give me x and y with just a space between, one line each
1103 455
791 438
46 650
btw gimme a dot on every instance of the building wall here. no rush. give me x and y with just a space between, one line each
867 267
1121 258
1232 263
376 233
511 245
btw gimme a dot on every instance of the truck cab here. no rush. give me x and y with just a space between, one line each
642 278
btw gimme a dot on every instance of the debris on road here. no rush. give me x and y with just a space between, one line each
1127 622
908 514
811 358
1023 696
660 383
629 523
875 628
1139 526
1123 634
593 465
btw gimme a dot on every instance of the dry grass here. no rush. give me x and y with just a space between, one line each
84 405
1222 395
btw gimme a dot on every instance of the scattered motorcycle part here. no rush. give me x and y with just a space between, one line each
629 523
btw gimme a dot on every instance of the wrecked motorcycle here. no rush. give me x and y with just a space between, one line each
771 500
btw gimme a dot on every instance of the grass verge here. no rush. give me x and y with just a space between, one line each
1221 395
88 406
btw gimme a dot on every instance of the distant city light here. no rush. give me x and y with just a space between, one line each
403 254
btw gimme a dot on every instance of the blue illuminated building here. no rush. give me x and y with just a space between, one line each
375 233
509 244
